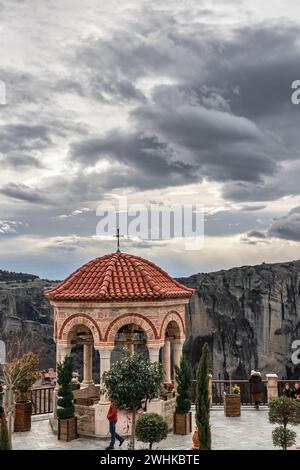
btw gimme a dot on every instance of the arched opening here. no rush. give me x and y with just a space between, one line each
170 352
86 360
130 337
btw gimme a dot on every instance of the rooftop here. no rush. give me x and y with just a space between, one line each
118 276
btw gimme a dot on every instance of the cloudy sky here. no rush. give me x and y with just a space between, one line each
162 102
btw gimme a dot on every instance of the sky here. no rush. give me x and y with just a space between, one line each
158 102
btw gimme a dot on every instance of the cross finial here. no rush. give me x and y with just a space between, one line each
118 240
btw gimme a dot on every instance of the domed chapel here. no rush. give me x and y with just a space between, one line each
118 300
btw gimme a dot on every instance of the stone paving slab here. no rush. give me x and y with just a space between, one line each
250 431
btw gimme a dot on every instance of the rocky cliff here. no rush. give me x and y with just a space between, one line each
26 316
249 316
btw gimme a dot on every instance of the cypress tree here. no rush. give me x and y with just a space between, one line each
203 402
65 403
184 379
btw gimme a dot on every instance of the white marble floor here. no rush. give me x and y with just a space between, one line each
250 431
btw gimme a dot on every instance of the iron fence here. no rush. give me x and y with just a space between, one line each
219 387
42 400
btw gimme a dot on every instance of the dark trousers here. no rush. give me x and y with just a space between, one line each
114 434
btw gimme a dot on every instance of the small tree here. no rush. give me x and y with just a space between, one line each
131 381
151 427
284 411
203 402
184 379
18 375
65 403
4 437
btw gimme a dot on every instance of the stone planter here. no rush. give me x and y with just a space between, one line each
232 405
67 429
23 410
182 423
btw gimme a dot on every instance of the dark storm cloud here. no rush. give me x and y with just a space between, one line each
256 234
147 162
287 227
24 193
216 116
18 137
20 161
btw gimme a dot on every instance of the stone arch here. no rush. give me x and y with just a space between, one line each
173 316
126 319
80 319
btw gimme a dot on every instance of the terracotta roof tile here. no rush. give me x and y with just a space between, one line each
118 276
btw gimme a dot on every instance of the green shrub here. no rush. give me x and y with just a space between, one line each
184 378
65 403
150 428
203 402
284 411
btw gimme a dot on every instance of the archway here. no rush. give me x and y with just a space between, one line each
130 337
81 343
172 349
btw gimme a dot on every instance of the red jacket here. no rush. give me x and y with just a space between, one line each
112 414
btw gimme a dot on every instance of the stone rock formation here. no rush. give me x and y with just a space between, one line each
26 318
249 316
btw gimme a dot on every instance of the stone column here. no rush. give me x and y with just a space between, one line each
153 352
167 361
64 351
177 354
177 351
272 386
105 353
87 364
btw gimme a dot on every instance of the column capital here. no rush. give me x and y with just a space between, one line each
154 346
104 348
178 344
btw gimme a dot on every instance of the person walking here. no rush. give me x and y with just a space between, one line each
112 417
256 387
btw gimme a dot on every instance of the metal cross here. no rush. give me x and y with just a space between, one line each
118 240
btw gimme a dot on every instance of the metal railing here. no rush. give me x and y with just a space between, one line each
42 400
219 387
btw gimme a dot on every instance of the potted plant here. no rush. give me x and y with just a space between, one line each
27 374
232 402
67 421
183 415
150 428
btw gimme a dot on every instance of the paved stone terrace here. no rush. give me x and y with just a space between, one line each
251 431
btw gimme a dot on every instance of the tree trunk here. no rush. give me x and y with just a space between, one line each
150 445
284 445
133 429
10 398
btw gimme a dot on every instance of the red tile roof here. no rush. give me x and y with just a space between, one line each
118 276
